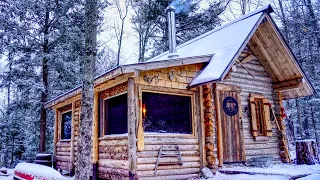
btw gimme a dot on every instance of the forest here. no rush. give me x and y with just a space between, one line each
42 47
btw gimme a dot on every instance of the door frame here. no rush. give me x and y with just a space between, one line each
217 89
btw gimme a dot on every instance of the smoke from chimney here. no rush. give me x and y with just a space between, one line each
172 32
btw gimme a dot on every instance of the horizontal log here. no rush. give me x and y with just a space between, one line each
153 160
262 82
111 163
145 154
63 144
172 147
122 172
60 153
169 172
288 83
262 151
113 149
261 146
63 149
184 176
170 140
150 167
119 156
112 176
107 142
63 158
63 165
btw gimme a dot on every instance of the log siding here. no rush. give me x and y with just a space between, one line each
261 83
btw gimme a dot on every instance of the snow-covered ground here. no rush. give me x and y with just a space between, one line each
279 169
276 172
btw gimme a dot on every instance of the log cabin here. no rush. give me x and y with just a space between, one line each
212 101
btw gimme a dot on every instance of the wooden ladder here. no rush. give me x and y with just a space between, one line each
168 152
283 139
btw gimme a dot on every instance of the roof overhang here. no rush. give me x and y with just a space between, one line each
131 68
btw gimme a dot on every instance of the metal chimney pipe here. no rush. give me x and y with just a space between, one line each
172 31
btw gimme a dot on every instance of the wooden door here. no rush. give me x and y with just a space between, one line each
231 126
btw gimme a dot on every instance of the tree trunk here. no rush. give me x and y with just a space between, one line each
83 167
284 20
299 119
313 22
306 152
315 131
44 94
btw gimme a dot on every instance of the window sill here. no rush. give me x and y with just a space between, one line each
65 140
262 138
189 136
114 136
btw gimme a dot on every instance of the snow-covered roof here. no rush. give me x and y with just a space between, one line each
223 43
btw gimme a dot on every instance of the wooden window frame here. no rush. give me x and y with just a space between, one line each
265 120
61 124
190 94
105 119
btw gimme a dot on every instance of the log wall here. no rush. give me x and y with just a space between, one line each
63 147
189 148
113 158
63 155
261 83
171 80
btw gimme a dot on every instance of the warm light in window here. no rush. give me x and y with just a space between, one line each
144 111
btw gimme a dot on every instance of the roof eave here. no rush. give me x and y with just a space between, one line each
129 68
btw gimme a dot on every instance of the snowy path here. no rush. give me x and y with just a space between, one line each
276 172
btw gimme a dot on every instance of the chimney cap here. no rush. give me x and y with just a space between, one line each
170 8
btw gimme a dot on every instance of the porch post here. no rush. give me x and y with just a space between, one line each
71 166
219 128
95 136
55 140
209 130
132 119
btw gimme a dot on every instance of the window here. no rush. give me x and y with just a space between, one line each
66 125
164 113
116 115
260 116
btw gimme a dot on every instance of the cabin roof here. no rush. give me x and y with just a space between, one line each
221 47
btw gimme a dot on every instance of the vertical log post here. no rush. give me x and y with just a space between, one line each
132 119
95 136
208 120
71 166
219 127
201 132
55 139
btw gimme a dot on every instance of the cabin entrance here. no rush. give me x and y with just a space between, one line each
231 126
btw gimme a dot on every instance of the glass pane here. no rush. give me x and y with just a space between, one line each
66 125
116 115
164 113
